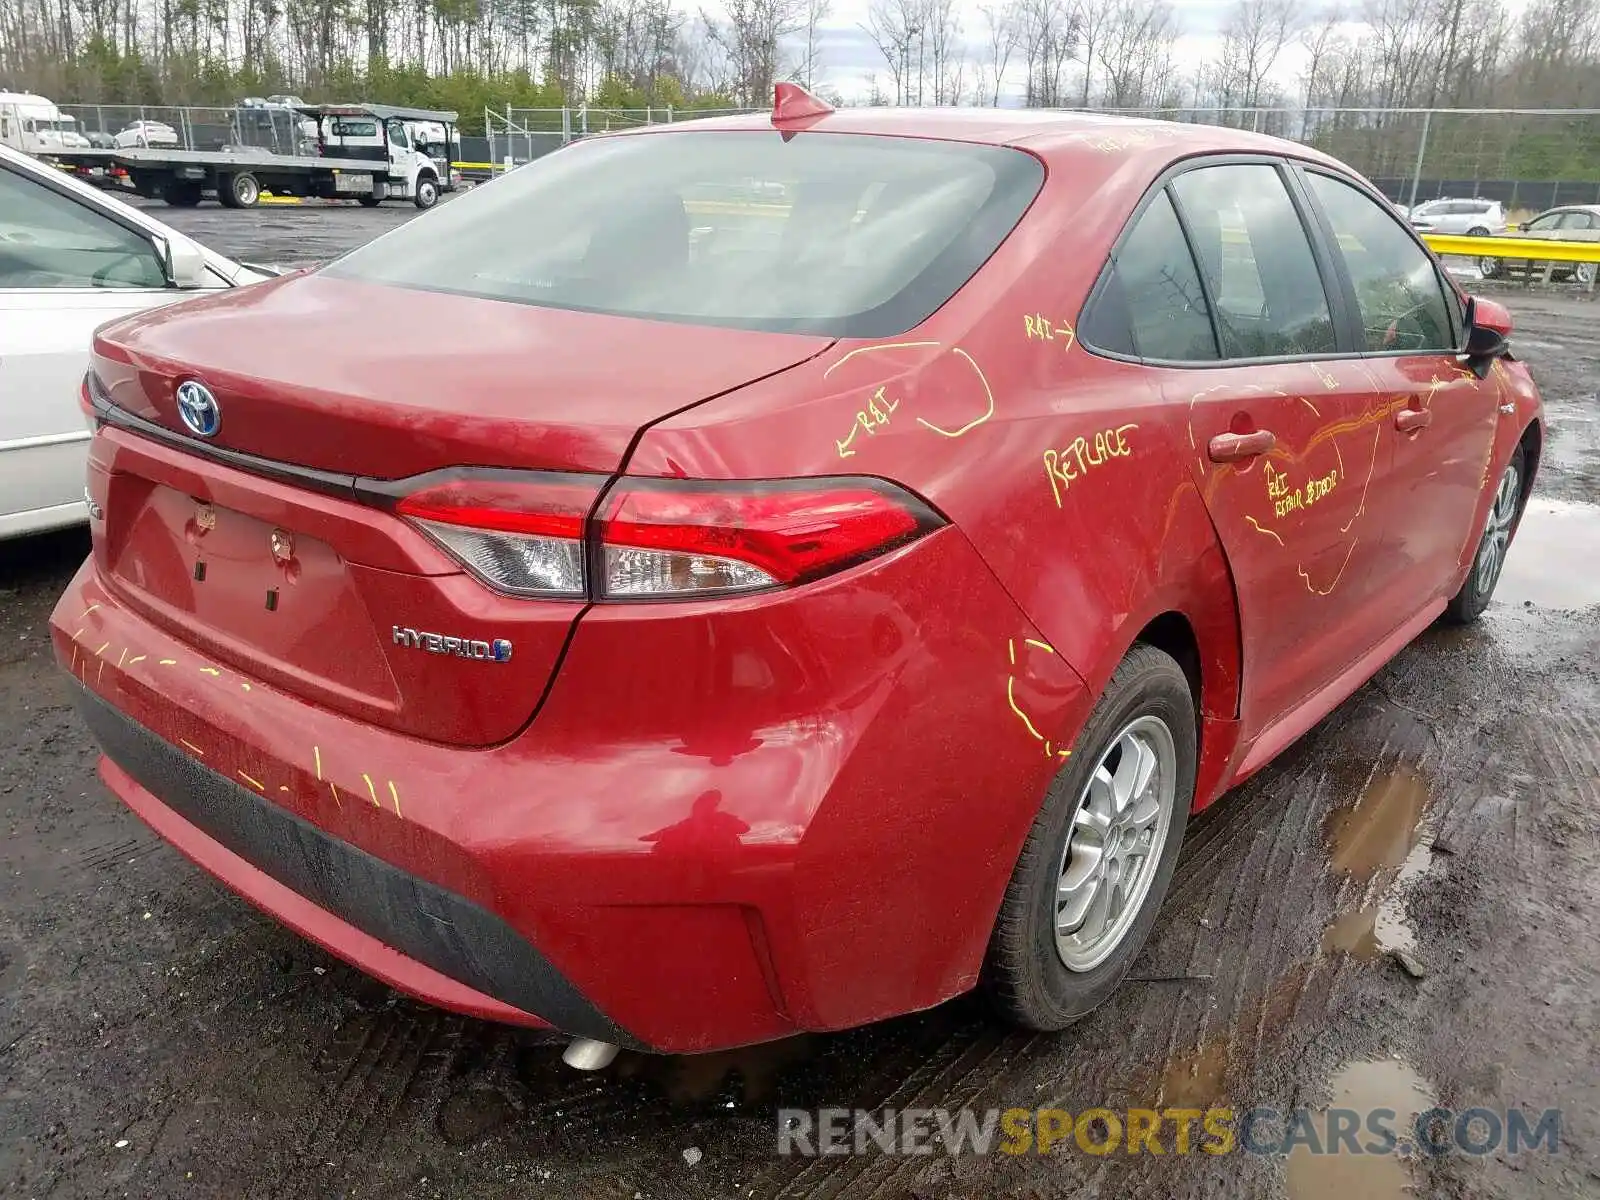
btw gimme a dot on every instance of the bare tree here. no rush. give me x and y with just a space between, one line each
751 38
1000 23
816 12
1048 35
1253 40
895 27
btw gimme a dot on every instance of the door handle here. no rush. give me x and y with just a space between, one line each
1236 447
1409 420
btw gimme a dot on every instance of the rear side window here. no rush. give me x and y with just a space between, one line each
1398 290
836 234
1151 304
1257 261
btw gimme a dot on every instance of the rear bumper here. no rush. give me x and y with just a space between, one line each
730 822
413 934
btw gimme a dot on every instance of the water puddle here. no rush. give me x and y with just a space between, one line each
1382 832
1375 930
1551 563
1360 1087
1380 829
1194 1080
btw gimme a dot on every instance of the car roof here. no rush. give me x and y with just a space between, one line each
1561 208
1043 131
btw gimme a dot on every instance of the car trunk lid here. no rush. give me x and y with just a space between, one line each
255 545
366 379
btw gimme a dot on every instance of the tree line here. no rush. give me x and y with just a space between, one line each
1126 54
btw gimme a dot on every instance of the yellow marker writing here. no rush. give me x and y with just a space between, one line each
371 791
256 783
987 391
395 796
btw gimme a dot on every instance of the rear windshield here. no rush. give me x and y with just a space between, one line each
835 234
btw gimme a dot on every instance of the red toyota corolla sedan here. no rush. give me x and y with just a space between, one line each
776 573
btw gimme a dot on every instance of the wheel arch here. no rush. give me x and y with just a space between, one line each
1189 608
1532 443
1212 662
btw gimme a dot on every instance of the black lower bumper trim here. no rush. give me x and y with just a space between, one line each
434 926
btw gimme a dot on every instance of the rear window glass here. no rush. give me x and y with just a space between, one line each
837 234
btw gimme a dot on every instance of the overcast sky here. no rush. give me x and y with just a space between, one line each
847 57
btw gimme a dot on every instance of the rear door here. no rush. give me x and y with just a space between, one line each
65 268
1285 452
1443 418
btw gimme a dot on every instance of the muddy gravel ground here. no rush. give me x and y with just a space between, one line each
1403 910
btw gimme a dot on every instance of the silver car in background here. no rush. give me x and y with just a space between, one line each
1569 223
1473 218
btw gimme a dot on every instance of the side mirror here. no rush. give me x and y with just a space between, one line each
1488 334
182 263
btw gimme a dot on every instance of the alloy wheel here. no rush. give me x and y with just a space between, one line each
1114 844
1497 529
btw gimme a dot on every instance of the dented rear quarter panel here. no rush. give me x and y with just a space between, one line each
1066 471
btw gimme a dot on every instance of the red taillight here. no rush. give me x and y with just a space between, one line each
517 531
674 538
525 504
524 532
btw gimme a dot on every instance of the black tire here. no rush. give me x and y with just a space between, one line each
1499 525
369 201
239 191
1024 976
427 192
1489 268
1477 231
181 193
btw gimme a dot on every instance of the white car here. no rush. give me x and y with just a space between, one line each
1475 218
72 258
144 134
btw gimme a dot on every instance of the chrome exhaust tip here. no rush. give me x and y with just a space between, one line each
586 1054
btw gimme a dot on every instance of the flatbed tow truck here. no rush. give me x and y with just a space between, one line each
364 152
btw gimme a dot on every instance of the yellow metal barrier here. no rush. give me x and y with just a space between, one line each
1535 249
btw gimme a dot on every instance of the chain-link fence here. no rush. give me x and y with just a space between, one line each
277 128
518 135
1527 159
